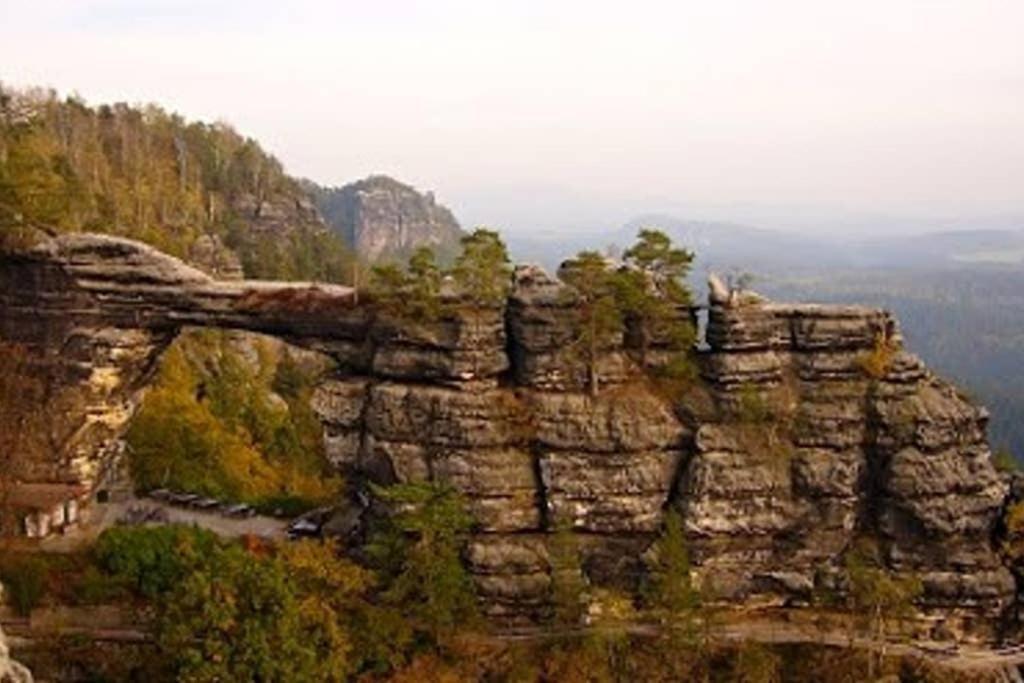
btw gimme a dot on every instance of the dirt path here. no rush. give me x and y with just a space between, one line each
105 515
974 658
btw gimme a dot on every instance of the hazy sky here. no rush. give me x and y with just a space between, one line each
888 106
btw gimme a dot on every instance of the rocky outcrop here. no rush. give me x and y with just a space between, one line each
382 218
811 427
828 430
10 670
97 311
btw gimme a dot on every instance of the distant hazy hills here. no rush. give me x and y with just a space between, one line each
993 247
731 246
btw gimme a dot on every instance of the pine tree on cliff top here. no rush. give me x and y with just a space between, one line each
483 276
599 320
652 292
482 272
411 295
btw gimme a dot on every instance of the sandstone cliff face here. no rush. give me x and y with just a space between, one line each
382 218
813 426
849 448
10 670
97 311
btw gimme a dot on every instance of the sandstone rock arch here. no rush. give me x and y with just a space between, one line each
498 409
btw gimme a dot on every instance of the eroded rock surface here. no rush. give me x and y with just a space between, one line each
815 426
10 670
829 430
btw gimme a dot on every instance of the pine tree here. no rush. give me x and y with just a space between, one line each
671 590
412 295
599 322
482 270
568 586
418 551
653 294
877 597
482 277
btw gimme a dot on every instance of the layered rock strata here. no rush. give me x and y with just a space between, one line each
96 312
829 430
815 427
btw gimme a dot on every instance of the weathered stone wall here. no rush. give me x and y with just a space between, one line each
815 427
829 430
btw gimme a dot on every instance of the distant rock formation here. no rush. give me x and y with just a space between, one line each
381 218
812 427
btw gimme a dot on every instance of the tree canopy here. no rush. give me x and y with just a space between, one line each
598 310
482 270
418 550
653 294
149 174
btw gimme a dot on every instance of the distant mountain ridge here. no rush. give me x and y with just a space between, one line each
726 246
382 218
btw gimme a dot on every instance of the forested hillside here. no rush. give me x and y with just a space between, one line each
146 173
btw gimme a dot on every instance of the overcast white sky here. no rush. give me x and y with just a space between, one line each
872 106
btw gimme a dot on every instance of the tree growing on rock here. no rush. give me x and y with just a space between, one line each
653 294
878 598
568 586
412 294
599 321
670 590
482 271
418 551
482 275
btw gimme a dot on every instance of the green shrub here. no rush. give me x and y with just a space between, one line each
24 581
1004 461
94 587
152 559
753 407
418 553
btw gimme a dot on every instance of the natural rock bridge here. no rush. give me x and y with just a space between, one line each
494 403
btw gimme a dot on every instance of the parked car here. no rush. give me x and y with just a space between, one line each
237 510
206 504
162 495
182 498
303 528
